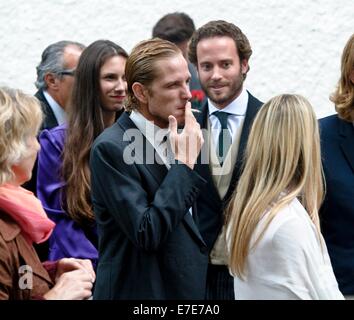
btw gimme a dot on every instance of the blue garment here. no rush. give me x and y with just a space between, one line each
69 239
337 211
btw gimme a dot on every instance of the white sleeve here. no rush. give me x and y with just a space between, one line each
301 263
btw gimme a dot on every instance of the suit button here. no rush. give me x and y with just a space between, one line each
204 250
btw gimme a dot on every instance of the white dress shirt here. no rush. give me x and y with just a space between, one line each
289 262
154 134
237 110
58 111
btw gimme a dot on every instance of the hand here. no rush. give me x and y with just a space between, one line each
186 145
69 264
72 285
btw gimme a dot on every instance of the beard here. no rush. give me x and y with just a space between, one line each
233 89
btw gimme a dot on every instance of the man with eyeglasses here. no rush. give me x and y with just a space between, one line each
55 80
54 83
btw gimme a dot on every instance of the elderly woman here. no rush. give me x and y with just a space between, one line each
337 142
22 218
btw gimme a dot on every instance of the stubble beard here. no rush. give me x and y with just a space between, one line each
223 101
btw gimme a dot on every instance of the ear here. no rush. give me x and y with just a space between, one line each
51 80
244 66
140 92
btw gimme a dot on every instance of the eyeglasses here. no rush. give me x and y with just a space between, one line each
67 72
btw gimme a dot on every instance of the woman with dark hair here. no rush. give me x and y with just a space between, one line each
63 183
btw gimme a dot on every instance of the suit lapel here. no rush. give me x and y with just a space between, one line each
252 109
157 170
203 169
49 120
142 149
192 223
346 131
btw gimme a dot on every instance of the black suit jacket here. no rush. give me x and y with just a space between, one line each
49 120
149 244
337 211
210 205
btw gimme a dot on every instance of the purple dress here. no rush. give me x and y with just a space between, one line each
68 239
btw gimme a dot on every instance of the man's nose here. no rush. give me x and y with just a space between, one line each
216 74
187 92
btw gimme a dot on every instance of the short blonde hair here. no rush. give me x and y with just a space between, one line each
282 155
343 96
141 65
20 118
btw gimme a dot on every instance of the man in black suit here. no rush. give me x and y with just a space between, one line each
55 78
221 53
143 197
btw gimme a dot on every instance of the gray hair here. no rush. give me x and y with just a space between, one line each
52 60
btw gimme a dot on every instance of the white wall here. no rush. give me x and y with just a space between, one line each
296 44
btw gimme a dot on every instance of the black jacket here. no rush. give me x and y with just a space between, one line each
149 244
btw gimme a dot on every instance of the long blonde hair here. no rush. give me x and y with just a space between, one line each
282 154
343 96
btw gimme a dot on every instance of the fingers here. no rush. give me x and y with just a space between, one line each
72 285
188 114
172 124
69 264
87 266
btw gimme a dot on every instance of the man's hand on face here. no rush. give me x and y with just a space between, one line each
187 144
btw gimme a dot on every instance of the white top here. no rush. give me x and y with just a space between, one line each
288 262
58 111
237 110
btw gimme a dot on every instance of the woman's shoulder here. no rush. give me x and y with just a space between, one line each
288 222
9 229
295 230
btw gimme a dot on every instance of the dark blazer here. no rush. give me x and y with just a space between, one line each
210 206
149 244
49 120
337 211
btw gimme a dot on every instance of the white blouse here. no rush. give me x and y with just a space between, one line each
289 261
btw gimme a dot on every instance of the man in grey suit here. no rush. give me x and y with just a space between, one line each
144 201
221 53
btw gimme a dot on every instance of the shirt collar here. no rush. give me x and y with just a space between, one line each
237 107
152 133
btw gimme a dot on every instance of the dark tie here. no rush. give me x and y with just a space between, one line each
225 139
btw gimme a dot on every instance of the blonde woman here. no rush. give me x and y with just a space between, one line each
276 247
22 218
